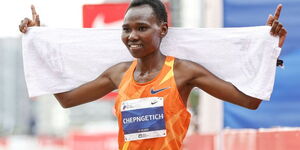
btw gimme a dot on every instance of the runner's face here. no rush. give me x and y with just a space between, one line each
141 32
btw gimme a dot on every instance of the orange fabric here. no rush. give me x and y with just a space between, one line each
177 118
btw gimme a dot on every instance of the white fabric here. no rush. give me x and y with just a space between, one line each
58 60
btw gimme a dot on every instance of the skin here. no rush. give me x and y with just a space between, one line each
142 34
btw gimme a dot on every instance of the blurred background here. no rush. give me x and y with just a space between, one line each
42 124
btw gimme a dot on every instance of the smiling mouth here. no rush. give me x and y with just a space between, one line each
135 46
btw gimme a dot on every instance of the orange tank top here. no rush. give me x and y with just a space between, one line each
151 115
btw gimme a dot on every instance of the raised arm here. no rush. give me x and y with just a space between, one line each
88 92
221 89
199 77
93 90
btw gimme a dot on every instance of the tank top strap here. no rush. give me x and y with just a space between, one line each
127 75
132 67
170 61
167 71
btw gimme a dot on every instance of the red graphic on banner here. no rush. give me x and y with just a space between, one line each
107 15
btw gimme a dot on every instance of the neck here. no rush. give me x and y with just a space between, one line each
150 63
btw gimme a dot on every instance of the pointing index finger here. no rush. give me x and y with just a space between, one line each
34 14
277 12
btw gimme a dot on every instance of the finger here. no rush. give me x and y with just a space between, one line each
274 26
33 11
283 32
23 25
270 20
23 28
38 22
277 12
282 36
20 28
278 28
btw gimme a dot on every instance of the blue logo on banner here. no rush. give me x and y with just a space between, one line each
143 120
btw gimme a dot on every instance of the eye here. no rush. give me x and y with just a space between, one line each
142 28
126 29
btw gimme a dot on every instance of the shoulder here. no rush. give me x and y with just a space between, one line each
189 70
120 67
187 66
115 73
183 63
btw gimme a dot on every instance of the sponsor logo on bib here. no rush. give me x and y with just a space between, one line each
143 118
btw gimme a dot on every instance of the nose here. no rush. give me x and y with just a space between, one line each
133 36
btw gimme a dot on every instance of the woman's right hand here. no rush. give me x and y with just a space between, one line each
26 22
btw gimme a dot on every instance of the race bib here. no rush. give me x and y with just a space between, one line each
143 118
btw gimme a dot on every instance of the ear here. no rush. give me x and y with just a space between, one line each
164 29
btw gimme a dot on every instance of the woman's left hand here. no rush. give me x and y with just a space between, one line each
277 27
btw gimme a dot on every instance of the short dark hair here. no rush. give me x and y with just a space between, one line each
157 6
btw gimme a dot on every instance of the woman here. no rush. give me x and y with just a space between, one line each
154 88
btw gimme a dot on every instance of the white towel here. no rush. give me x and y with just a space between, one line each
58 60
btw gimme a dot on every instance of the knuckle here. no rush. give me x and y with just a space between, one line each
273 27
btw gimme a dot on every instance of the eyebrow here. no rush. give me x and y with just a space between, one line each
142 23
139 23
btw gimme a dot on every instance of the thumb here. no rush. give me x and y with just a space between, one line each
270 20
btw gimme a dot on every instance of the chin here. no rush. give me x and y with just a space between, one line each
140 54
137 54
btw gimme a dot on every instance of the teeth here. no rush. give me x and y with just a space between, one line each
135 46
